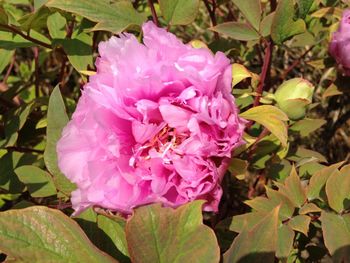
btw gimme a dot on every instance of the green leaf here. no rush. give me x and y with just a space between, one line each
114 18
56 24
278 198
338 191
39 183
284 242
266 24
336 236
293 189
283 25
300 223
41 234
79 51
270 117
332 90
239 73
238 168
104 233
3 17
179 12
5 58
307 126
257 244
8 163
57 119
35 21
319 179
309 208
251 10
248 221
155 234
304 7
39 3
114 228
236 30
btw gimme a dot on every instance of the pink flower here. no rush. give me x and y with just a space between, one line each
339 47
157 123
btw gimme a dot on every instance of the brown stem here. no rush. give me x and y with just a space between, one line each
9 69
296 62
23 150
265 68
154 13
27 37
37 79
212 15
273 5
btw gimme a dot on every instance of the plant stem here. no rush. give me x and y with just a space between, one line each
296 62
212 15
154 13
27 37
265 68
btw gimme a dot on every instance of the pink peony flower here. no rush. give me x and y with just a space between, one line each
339 47
157 123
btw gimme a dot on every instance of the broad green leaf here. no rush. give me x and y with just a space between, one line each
293 189
331 11
283 25
155 234
338 191
280 199
248 221
319 179
179 12
307 126
257 244
266 24
309 208
35 21
9 41
15 121
8 163
106 234
239 73
79 50
39 183
56 24
303 153
284 242
39 3
238 168
270 117
5 58
3 17
114 228
304 7
300 223
251 10
336 236
332 90
115 17
41 234
237 30
56 120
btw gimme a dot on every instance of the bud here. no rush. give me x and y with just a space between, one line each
293 96
339 47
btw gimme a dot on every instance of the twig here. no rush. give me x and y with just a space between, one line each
154 13
27 37
296 62
9 69
263 74
23 150
37 79
212 15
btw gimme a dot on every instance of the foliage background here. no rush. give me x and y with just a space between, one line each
283 200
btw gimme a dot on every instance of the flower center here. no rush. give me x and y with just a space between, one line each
165 141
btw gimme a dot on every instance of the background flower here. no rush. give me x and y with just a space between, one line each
340 44
157 123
